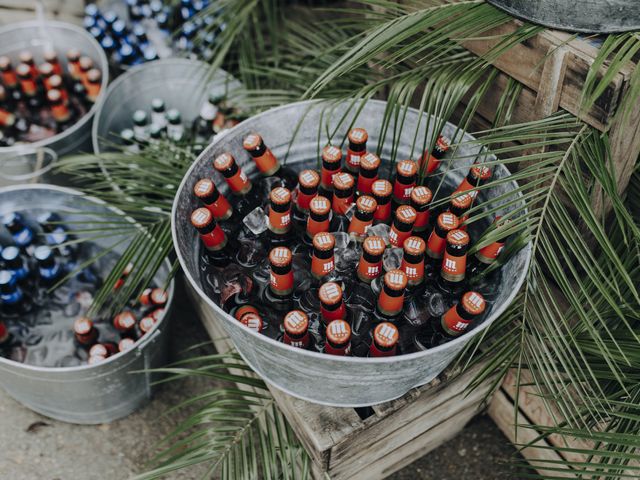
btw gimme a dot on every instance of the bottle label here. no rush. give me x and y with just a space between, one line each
414 271
422 220
23 238
352 162
365 184
402 193
368 271
159 119
298 343
436 246
341 205
453 324
239 183
220 209
489 253
383 212
215 240
397 238
281 284
388 305
453 268
321 266
267 163
357 227
279 222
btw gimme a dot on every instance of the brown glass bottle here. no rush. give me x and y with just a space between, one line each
357 148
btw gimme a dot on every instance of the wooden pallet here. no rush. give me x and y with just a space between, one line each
344 445
12 11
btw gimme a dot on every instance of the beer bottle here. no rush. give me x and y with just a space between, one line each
487 255
215 202
73 63
437 242
430 161
56 234
322 259
338 336
153 297
421 201
343 189
7 73
141 126
280 216
51 57
381 190
158 112
478 175
454 263
85 63
85 333
402 226
46 72
296 329
363 217
460 205
56 83
268 165
385 340
26 58
413 260
175 128
213 237
369 165
308 182
49 270
406 175
281 283
125 324
318 220
331 164
332 306
22 235
94 84
28 86
239 184
60 111
357 148
13 301
391 298
15 263
370 265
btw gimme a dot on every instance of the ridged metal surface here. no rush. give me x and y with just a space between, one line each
183 84
34 36
326 379
591 16
87 394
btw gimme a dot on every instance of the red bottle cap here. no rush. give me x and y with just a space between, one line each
280 196
473 303
45 69
320 205
5 62
147 323
99 350
338 332
243 310
73 54
370 161
124 321
480 172
296 323
252 321
26 57
324 241
86 63
407 168
280 257
330 293
343 181
309 179
448 221
458 237
421 195
82 326
414 246
223 162
366 204
386 335
252 142
358 136
154 296
395 280
463 201
381 189
332 154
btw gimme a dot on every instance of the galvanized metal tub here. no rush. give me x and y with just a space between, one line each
592 16
182 83
35 36
87 394
291 131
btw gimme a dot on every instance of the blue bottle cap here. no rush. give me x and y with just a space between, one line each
10 253
150 54
139 30
7 279
119 28
163 20
156 6
108 43
89 22
110 17
97 33
126 51
11 218
43 253
91 10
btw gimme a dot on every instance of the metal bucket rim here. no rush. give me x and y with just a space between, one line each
104 68
275 344
134 71
150 336
26 177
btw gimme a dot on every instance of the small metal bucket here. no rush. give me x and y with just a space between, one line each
87 394
591 16
183 84
292 132
35 36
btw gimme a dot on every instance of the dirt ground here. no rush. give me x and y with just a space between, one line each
33 447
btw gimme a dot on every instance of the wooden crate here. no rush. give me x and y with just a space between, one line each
344 445
12 11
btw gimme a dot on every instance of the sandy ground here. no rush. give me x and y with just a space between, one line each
33 447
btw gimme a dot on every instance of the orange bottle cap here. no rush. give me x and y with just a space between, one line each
324 241
442 143
46 69
481 172
54 95
252 141
223 162
98 350
244 309
395 280
159 296
82 326
280 257
381 188
280 196
126 344
448 221
358 136
124 321
25 56
370 161
309 179
23 70
386 334
320 205
330 293
147 324
94 75
252 321
338 332
203 188
296 322
201 217
73 54
407 168
464 200
421 195
343 181
331 154
374 246
86 63
458 237
473 302
366 204
406 214
414 246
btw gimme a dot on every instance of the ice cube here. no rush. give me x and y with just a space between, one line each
435 305
342 240
350 211
380 230
256 221
392 258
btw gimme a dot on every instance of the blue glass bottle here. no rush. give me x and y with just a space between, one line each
13 301
56 234
49 270
22 235
16 264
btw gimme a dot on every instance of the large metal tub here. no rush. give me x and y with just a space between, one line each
592 16
35 36
319 378
183 84
88 394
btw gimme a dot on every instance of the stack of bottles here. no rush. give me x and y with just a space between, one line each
159 122
42 95
154 29
45 295
340 260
